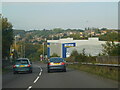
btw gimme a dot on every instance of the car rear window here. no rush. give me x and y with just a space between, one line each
21 62
56 60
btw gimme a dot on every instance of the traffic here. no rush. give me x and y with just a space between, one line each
22 65
25 65
56 63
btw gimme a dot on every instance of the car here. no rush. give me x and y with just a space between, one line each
56 63
22 65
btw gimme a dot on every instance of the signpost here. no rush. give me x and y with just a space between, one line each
41 57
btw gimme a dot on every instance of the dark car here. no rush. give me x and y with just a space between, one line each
56 63
22 65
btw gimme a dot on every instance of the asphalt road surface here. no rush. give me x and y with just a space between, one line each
41 79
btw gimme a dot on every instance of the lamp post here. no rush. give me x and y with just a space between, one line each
15 42
15 48
21 52
43 50
24 50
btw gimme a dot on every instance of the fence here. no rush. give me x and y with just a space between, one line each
99 64
108 59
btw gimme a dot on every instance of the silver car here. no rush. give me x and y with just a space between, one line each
56 63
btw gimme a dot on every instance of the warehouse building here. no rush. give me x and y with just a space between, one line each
64 47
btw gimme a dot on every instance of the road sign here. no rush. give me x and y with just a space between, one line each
41 57
11 54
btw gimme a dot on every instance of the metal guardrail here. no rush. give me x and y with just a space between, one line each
96 64
99 64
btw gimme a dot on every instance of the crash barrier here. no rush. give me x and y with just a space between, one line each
108 59
96 64
99 64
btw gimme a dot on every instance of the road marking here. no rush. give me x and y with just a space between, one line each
40 73
40 69
36 79
29 87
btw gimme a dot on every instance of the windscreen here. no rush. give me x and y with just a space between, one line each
56 60
21 62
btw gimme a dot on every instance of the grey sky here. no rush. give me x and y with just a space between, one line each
51 15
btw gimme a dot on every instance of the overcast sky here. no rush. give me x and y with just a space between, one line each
49 15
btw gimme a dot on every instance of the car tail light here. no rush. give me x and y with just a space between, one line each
14 66
29 65
50 63
62 63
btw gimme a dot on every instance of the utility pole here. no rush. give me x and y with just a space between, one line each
43 50
15 48
91 31
60 37
24 50
15 42
21 51
52 37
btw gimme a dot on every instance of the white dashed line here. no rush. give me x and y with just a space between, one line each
40 69
40 73
29 87
36 78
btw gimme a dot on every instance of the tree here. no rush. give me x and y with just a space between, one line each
83 56
75 55
110 36
103 28
7 37
30 51
58 30
111 49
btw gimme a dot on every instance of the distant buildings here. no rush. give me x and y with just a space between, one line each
36 38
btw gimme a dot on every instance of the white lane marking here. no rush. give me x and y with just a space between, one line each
40 69
29 87
36 79
40 73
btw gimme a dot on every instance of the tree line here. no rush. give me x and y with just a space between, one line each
7 37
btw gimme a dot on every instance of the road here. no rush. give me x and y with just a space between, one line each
41 79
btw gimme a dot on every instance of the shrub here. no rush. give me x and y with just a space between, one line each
54 55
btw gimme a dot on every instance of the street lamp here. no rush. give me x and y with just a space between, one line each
15 49
43 50
15 42
24 50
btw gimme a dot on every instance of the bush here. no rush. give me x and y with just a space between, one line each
74 55
111 49
80 57
54 55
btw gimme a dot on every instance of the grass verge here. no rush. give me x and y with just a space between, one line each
6 70
0 70
106 72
